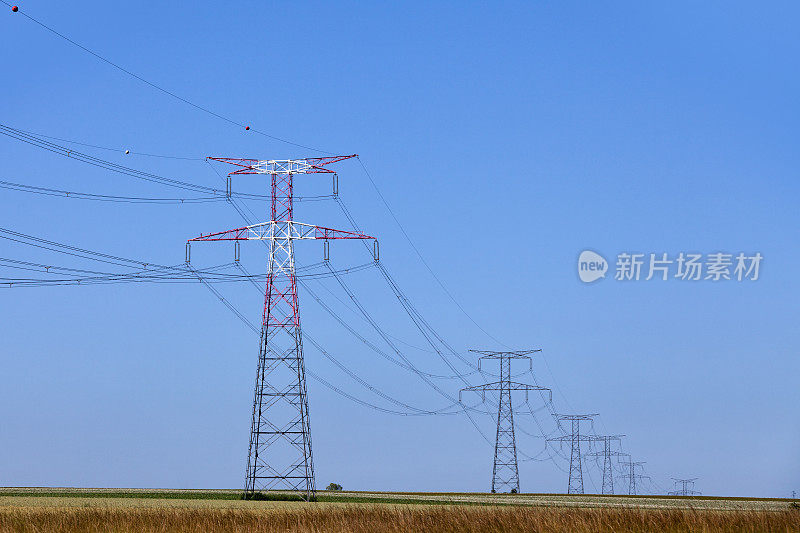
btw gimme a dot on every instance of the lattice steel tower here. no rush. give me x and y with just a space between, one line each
575 485
505 473
280 455
633 476
607 453
687 487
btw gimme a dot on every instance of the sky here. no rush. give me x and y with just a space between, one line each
506 139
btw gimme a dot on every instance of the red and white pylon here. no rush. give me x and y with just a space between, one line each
280 454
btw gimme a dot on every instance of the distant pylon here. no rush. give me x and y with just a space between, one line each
505 473
632 475
687 487
280 454
575 485
607 453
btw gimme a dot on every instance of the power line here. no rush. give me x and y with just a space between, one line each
398 339
361 381
369 344
415 316
250 221
360 337
222 117
174 275
146 270
87 195
355 228
414 313
75 251
104 197
422 258
39 142
107 165
312 374
107 148
421 324
88 254
16 134
160 88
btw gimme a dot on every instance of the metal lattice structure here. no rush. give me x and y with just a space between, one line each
280 454
687 487
575 485
632 475
607 453
505 472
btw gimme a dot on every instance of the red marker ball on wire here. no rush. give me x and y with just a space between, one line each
14 9
247 127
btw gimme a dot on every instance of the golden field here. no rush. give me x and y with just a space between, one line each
191 512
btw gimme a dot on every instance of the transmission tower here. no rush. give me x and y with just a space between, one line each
505 473
575 485
632 475
279 455
687 487
607 453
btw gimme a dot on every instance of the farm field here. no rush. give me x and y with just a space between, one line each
128 510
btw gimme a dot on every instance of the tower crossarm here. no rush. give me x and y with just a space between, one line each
281 229
570 438
503 386
308 165
518 354
575 417
631 463
601 454
607 438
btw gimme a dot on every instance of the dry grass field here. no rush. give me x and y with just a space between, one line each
93 511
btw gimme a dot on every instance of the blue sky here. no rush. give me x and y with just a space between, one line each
507 139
